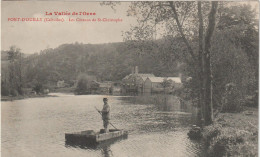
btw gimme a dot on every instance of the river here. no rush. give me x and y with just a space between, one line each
36 127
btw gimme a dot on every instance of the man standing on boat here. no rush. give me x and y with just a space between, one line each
105 114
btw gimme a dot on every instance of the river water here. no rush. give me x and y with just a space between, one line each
36 127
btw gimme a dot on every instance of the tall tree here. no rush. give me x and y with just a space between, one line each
177 17
207 77
15 69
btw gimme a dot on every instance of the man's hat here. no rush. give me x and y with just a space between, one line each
104 99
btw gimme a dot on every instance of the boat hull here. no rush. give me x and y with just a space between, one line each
91 138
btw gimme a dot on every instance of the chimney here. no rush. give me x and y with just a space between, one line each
181 77
136 69
133 70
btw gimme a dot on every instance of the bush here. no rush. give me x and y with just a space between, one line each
14 92
211 132
221 145
232 101
84 84
223 138
252 100
4 90
38 88
244 149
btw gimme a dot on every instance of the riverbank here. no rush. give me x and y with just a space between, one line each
19 97
233 134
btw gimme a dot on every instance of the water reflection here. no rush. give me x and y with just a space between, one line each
104 147
106 151
166 105
162 102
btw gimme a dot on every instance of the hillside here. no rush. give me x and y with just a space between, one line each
109 62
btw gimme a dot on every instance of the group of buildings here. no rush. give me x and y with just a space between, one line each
133 84
140 84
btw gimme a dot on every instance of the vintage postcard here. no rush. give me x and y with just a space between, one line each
129 78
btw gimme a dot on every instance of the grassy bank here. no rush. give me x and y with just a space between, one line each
233 134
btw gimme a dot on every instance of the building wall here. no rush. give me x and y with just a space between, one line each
133 84
156 85
177 85
150 87
60 84
147 88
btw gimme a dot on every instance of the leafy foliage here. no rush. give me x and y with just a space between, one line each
232 135
82 85
233 61
11 80
38 88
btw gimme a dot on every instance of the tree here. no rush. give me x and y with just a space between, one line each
235 55
166 84
15 70
84 84
240 27
206 62
177 17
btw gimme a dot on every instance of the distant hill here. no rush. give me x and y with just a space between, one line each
110 62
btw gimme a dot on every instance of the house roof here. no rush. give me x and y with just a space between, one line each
143 76
105 85
156 79
160 79
174 79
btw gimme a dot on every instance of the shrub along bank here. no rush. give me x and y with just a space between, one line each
233 134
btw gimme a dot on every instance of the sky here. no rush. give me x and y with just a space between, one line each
33 36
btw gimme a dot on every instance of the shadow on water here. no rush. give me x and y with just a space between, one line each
161 101
166 108
104 147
